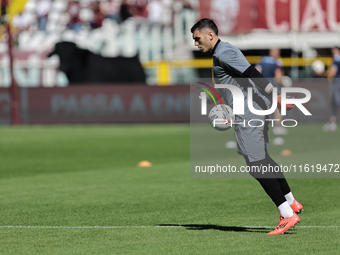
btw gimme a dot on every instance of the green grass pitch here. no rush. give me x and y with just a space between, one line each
78 190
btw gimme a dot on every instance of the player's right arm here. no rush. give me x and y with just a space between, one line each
235 59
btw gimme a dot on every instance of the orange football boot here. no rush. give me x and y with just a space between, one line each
296 206
285 224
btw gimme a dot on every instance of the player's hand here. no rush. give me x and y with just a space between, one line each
288 106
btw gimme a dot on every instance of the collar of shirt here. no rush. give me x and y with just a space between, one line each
213 50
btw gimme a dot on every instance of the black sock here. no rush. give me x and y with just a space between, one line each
268 181
279 175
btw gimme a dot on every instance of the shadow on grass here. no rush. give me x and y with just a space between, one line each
221 228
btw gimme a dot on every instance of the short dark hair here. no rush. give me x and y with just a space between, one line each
205 23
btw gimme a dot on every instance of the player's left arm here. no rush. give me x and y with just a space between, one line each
260 81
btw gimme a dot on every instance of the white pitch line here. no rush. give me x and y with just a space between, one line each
295 226
85 227
125 227
317 226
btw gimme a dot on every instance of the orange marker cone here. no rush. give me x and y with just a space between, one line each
286 152
145 163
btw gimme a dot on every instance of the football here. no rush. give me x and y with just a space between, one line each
221 117
318 66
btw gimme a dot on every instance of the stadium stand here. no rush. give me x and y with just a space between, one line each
128 34
163 42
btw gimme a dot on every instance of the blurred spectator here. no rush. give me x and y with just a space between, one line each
20 22
4 4
271 68
125 11
98 16
155 11
110 9
3 31
73 10
86 16
334 73
139 8
42 9
186 4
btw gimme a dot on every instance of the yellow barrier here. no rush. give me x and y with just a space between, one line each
207 63
163 73
164 67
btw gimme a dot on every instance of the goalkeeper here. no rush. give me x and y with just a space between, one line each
231 67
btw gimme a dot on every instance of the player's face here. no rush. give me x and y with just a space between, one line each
202 40
275 53
336 51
